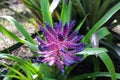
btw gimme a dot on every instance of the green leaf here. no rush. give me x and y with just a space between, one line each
20 28
48 78
17 72
101 33
80 25
20 61
66 12
96 64
108 63
45 70
33 47
34 7
9 74
45 12
92 51
23 63
104 19
10 77
10 34
29 69
21 15
79 6
95 16
104 7
113 49
95 74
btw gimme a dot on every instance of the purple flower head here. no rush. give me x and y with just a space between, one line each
60 45
67 1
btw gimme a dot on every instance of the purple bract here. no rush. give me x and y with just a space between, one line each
60 45
67 1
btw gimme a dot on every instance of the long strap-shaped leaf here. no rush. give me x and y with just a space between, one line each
81 23
32 46
11 35
23 63
92 75
26 66
17 72
102 32
45 12
66 12
103 56
21 15
10 72
20 61
11 76
92 51
108 63
20 28
104 19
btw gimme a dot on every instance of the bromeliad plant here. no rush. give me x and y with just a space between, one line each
61 47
